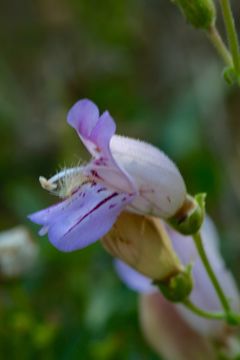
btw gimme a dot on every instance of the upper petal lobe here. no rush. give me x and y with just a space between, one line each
96 133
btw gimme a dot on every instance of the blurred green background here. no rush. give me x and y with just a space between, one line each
161 81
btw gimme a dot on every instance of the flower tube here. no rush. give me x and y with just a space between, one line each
143 243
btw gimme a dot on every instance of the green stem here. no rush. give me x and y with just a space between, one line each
199 245
205 314
219 45
231 33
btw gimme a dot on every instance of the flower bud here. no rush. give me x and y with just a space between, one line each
143 243
199 13
178 287
189 218
230 75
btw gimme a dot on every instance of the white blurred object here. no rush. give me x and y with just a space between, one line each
18 253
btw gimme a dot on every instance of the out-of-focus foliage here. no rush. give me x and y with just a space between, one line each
161 81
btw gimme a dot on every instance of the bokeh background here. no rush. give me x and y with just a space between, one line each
161 81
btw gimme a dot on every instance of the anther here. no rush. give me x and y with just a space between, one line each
46 184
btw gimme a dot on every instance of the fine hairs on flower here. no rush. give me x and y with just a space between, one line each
66 181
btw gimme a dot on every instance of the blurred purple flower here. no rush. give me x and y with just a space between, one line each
169 334
203 294
122 174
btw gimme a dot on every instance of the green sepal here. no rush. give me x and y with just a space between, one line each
190 218
232 318
199 13
177 288
230 75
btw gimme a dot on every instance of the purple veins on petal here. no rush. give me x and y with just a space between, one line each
77 221
101 162
112 206
101 189
95 174
104 201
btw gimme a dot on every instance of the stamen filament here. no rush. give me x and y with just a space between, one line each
64 173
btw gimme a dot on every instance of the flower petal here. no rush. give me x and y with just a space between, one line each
83 218
162 190
46 216
96 133
133 279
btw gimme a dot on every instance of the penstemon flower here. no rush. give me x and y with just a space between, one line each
123 174
203 293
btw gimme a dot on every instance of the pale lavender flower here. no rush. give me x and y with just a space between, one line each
122 174
203 294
